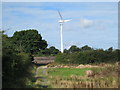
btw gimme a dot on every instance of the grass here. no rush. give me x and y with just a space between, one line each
66 72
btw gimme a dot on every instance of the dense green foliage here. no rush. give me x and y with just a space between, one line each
28 41
17 67
74 48
17 55
51 51
87 55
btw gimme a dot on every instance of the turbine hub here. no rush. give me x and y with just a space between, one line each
60 21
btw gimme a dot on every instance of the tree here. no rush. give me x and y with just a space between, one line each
50 51
53 50
27 40
110 49
74 49
66 51
86 47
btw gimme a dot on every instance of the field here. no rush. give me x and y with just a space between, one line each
75 77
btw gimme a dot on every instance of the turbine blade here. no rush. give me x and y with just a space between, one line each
67 20
60 15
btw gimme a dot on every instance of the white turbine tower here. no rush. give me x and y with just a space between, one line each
61 21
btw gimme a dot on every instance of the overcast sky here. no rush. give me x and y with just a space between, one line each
94 23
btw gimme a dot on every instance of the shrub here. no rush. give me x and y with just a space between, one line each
87 57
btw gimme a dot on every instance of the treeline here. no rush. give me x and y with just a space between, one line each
87 55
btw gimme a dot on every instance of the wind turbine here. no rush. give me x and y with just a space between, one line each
61 21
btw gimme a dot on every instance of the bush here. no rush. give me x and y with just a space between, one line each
16 67
87 57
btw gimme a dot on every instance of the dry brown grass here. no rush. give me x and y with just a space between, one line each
81 82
